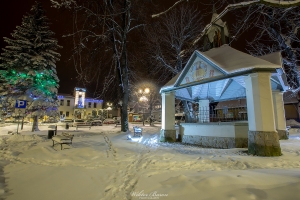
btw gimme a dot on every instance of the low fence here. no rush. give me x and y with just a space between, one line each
225 114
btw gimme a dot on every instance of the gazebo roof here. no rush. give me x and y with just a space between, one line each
218 74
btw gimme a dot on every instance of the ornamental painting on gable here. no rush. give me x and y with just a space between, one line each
198 71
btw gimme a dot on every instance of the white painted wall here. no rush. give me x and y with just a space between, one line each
234 130
64 108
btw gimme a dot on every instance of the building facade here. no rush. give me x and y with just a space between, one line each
78 106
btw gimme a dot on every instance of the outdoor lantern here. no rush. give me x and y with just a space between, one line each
147 90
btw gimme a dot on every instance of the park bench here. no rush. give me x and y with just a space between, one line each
84 126
117 123
64 138
137 131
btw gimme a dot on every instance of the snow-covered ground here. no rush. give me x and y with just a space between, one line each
103 164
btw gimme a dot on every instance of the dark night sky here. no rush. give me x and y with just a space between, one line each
11 14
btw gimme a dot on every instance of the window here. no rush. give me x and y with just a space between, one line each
90 104
68 102
67 114
61 102
61 112
95 105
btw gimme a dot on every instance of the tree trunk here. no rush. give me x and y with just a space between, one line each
35 124
124 114
22 123
125 93
124 67
150 117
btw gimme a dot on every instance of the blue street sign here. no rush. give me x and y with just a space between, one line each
20 104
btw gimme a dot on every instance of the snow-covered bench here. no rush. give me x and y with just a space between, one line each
64 138
83 125
117 123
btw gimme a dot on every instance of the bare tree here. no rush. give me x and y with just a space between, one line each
273 3
278 29
101 34
233 5
168 38
277 20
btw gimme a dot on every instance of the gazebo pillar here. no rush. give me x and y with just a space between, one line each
168 132
279 114
263 139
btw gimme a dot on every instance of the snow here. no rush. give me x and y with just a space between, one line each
223 58
292 122
283 2
103 164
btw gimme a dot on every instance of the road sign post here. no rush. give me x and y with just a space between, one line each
21 104
20 107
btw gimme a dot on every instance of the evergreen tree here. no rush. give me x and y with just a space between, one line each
29 65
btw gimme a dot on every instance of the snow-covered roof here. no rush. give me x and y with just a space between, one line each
232 60
274 58
65 95
218 74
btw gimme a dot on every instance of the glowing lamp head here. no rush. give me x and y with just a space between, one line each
147 90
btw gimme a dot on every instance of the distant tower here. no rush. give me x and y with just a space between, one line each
217 34
79 94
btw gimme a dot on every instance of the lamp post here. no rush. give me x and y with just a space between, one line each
109 107
143 93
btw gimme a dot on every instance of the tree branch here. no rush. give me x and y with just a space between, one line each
164 12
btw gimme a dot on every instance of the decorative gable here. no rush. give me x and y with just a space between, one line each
198 69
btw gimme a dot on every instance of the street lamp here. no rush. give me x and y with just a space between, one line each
109 107
144 99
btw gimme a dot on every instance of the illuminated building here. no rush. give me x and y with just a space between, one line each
78 106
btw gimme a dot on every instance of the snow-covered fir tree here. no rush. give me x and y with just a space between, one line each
29 65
